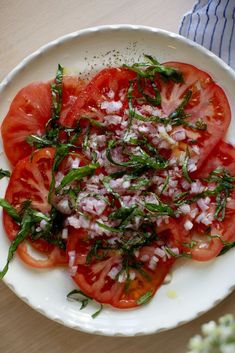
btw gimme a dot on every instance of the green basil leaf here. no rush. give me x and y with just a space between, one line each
4 173
26 224
77 174
97 312
10 210
145 298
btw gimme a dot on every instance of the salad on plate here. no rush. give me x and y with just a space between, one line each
119 176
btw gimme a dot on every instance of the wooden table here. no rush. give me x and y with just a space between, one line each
25 25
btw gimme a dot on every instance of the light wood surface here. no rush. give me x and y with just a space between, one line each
25 25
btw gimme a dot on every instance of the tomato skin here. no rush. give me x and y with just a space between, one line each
30 180
29 112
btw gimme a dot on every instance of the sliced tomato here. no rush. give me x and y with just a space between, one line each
109 85
223 156
94 276
31 180
208 247
72 87
208 102
29 112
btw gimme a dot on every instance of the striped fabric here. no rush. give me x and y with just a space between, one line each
211 23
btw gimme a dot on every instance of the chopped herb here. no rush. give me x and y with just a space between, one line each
173 254
86 139
137 160
97 312
38 142
227 246
165 185
149 98
160 209
106 181
141 183
152 67
56 89
94 251
225 185
27 223
78 295
110 229
200 125
185 168
61 151
4 173
141 239
190 245
77 174
178 116
130 106
10 210
145 298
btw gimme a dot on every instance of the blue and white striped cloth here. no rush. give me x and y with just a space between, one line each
211 23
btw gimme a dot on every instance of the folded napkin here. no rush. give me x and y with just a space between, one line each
211 23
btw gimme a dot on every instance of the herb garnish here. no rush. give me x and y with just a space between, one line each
78 295
160 209
28 222
227 246
145 298
10 210
142 159
4 173
225 185
185 167
77 174
152 67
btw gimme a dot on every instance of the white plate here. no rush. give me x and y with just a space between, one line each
195 287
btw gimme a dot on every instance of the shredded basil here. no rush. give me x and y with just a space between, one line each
185 168
27 225
143 159
77 174
10 210
4 173
160 209
61 152
227 246
78 295
110 229
145 298
97 312
173 254
152 67
225 185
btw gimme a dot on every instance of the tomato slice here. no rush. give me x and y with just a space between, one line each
107 86
222 156
29 113
72 87
97 277
208 102
208 248
31 180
